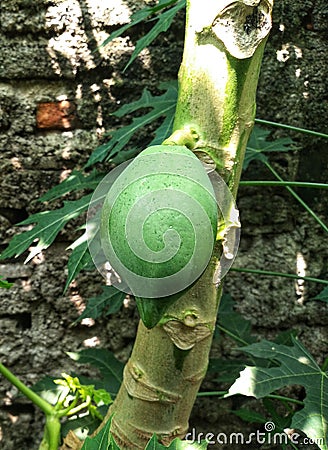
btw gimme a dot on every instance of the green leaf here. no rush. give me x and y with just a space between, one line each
232 323
142 15
79 259
5 284
296 366
228 370
164 21
249 415
160 106
258 144
281 417
110 368
48 390
99 442
323 295
75 182
177 444
84 424
48 225
108 302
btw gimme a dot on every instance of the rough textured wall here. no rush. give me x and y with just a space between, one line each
57 90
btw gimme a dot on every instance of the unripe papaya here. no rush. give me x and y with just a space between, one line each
159 222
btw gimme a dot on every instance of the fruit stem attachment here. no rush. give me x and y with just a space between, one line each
187 136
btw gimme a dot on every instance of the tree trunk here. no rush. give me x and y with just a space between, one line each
224 44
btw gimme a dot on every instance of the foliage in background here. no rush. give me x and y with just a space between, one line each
4 284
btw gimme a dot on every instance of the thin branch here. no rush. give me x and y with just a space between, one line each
290 127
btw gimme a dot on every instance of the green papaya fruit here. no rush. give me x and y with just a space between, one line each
159 222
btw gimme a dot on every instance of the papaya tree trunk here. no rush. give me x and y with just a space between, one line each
224 43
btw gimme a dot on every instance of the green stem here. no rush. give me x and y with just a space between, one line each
235 337
35 398
278 274
284 183
79 408
273 396
51 436
298 198
212 394
290 127
67 411
285 399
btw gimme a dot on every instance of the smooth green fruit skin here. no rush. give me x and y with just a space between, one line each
114 214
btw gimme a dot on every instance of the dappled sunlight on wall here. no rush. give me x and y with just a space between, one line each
73 43
301 272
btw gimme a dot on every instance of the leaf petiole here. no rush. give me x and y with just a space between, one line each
290 127
277 274
46 407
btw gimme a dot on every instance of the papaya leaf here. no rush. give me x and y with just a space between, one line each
48 225
75 182
164 21
99 442
83 425
142 15
79 259
296 366
5 284
228 370
323 295
109 367
258 144
249 415
159 105
108 302
233 323
282 418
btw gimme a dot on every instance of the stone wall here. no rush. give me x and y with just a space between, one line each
57 91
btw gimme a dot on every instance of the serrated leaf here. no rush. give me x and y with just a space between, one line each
164 21
79 259
4 284
140 16
258 144
322 296
99 442
228 370
75 182
161 106
233 323
110 368
296 366
108 302
177 444
48 225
